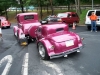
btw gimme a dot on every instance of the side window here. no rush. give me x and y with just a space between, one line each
98 13
69 15
89 13
74 15
62 15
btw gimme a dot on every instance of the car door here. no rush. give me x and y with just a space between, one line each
74 17
98 15
69 18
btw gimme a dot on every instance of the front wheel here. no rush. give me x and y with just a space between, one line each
42 51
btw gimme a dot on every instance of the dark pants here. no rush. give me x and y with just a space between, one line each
93 25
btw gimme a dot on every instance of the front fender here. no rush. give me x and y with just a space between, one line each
15 28
47 45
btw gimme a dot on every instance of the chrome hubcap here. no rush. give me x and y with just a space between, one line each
41 51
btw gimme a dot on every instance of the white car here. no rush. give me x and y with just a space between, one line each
88 21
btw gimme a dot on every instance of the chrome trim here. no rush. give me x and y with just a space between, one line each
65 53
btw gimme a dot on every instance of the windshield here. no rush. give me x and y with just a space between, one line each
62 15
90 12
2 18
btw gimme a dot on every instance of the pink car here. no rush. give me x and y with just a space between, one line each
55 40
4 22
25 30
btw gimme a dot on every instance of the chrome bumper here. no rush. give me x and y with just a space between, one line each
66 52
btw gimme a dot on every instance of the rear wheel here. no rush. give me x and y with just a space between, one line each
8 27
42 51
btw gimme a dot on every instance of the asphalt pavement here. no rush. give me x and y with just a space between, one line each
24 60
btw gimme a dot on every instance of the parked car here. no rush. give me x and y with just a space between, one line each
51 18
69 17
55 40
4 22
88 21
27 23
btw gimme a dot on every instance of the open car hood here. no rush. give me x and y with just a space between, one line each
62 36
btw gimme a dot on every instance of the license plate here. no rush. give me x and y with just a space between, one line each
69 43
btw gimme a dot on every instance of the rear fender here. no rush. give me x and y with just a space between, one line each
48 46
32 30
21 34
21 37
79 40
15 29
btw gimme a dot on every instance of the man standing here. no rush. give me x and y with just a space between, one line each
93 19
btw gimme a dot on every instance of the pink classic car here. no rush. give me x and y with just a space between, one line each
25 30
55 40
4 22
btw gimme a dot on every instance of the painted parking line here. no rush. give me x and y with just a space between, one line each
8 65
53 66
25 64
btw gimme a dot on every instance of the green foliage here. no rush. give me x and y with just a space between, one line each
4 4
82 16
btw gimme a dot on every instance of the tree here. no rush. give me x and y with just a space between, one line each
51 4
77 4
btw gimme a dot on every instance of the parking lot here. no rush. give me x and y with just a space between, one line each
23 58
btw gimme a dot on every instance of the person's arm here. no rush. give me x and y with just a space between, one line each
96 17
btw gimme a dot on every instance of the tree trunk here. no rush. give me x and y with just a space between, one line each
6 13
51 7
68 6
22 7
47 8
76 6
79 10
16 10
41 14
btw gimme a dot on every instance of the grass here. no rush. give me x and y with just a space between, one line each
82 17
12 15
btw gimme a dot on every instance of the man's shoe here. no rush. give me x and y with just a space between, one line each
91 31
95 31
